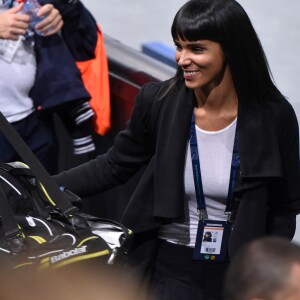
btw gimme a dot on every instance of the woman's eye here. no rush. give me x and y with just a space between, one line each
197 49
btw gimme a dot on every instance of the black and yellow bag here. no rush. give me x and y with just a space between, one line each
40 226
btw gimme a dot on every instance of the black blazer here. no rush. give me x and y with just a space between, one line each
267 192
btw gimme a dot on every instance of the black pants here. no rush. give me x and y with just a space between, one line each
178 276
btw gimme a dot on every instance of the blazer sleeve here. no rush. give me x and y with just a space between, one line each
132 149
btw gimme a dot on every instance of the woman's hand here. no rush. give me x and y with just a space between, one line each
52 23
13 24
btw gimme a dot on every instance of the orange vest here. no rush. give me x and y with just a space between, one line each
95 77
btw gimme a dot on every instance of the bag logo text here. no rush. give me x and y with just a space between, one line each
67 254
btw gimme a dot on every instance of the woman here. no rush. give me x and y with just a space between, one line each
222 112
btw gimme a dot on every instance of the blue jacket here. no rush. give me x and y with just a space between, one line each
79 30
58 82
58 79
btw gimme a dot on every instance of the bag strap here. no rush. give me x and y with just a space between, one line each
62 202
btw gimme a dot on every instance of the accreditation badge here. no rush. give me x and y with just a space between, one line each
212 240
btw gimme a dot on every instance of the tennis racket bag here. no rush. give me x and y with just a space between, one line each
40 225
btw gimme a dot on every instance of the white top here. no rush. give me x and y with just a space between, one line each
215 155
17 76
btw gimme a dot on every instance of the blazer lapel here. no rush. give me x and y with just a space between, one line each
173 134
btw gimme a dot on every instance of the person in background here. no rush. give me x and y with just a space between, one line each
70 283
265 269
39 76
219 147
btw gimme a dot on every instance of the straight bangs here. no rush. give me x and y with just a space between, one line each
193 23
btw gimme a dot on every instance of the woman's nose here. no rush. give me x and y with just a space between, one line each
182 58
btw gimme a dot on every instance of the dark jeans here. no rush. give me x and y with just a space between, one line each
39 134
178 276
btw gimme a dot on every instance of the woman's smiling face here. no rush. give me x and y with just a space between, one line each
202 62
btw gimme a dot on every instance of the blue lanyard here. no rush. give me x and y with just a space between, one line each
235 162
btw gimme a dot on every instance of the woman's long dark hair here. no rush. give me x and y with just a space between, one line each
226 22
